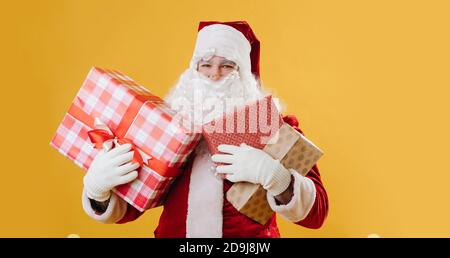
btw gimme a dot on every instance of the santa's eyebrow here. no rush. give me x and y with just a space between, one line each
228 62
224 62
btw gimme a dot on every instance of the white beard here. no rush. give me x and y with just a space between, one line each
201 100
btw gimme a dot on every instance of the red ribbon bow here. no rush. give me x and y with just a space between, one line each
100 136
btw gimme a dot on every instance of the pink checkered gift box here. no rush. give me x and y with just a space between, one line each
131 113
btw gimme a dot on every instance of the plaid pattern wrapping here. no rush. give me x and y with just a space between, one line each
155 133
71 140
131 112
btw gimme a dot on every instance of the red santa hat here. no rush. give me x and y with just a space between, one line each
234 41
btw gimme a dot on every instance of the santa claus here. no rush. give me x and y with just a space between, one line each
224 67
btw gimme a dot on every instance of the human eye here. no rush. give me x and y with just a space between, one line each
205 65
228 66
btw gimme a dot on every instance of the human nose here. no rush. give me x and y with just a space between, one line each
215 73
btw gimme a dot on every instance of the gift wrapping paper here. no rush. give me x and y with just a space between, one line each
130 114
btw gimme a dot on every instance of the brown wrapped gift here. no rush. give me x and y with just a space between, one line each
294 151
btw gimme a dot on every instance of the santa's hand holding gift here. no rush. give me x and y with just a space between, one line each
108 170
223 73
248 164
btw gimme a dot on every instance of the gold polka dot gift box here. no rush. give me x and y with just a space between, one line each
295 152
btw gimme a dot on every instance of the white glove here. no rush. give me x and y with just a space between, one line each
254 166
108 170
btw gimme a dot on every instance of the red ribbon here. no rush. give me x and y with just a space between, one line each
100 136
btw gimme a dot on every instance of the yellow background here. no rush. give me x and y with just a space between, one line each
369 81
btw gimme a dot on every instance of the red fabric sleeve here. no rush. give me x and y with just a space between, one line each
131 214
319 211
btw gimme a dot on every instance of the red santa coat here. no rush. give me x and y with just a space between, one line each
172 223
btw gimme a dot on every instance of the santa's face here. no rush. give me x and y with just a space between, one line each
216 67
210 88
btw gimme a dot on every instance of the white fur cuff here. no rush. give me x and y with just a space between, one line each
302 201
115 211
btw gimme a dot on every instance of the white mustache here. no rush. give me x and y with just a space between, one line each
201 99
217 87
